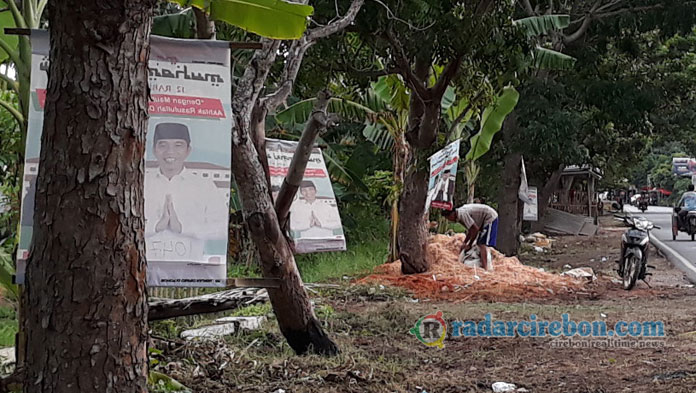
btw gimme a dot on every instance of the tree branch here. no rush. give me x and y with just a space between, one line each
296 54
205 27
11 83
528 8
40 10
403 65
250 86
297 51
462 115
446 77
318 122
340 24
14 112
14 55
626 10
608 5
586 22
368 73
549 11
19 19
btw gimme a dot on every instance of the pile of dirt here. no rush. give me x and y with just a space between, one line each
449 279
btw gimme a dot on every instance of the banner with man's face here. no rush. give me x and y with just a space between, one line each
187 160
315 223
443 177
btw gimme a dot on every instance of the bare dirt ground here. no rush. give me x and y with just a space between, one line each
371 325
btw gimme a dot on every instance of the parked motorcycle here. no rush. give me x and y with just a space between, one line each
688 226
634 250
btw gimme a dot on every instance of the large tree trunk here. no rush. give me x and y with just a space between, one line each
85 300
423 122
413 233
290 302
509 204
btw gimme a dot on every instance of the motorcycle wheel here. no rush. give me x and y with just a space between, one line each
630 272
675 229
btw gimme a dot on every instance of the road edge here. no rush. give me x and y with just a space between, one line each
677 260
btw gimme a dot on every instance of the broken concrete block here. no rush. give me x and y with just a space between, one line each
581 272
209 332
225 326
248 323
501 387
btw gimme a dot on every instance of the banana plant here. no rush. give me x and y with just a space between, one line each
7 271
15 53
490 123
275 19
544 58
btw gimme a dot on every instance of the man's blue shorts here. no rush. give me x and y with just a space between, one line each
488 235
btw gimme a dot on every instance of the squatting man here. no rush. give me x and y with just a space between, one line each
481 222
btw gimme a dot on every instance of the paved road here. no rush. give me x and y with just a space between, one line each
682 252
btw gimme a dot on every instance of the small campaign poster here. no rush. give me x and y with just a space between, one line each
315 223
443 177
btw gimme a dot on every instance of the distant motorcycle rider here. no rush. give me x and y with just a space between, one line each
687 203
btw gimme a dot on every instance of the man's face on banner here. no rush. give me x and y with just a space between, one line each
171 154
309 194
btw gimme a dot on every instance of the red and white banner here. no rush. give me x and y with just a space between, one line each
443 177
315 223
187 168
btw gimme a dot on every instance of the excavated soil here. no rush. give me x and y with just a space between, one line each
449 279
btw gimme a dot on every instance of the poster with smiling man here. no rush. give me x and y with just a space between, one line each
187 160
187 167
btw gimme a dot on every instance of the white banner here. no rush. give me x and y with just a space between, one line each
523 192
443 177
531 207
187 160
315 223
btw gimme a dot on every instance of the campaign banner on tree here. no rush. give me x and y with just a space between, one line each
531 205
187 160
443 177
315 223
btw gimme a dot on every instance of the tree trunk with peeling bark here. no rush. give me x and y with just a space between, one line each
413 231
509 203
413 214
509 206
86 305
291 303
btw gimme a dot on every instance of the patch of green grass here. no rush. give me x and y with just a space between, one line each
253 310
367 234
8 326
359 259
243 271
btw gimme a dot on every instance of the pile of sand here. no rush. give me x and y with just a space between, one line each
450 279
